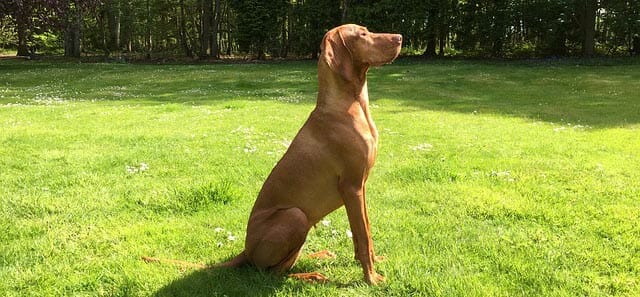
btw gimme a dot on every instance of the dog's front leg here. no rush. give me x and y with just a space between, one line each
355 204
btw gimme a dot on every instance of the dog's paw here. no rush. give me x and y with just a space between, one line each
310 277
374 279
322 255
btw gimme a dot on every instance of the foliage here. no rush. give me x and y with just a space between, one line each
310 20
47 42
8 37
499 28
622 18
260 24
31 17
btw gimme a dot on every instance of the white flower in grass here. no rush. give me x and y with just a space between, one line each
422 147
249 148
349 234
505 173
136 169
219 244
230 237
218 230
326 223
131 169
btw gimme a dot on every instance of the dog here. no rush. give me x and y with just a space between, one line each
328 162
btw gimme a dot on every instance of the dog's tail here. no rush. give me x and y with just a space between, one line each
237 261
180 263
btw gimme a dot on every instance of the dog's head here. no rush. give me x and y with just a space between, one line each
350 49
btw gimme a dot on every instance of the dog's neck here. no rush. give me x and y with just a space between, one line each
349 97
347 93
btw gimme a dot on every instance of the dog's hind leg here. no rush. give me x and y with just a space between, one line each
275 241
275 238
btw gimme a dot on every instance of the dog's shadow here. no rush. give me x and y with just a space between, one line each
245 281
223 282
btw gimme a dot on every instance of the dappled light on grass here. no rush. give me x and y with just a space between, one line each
492 179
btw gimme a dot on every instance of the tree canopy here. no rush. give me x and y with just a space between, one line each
294 28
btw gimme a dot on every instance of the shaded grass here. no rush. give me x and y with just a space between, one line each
599 96
493 179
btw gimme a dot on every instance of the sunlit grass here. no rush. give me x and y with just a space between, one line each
493 179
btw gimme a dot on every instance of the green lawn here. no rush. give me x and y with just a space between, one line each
493 178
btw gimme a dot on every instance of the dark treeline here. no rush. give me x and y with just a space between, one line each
294 28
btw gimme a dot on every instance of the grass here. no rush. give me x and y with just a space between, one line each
493 179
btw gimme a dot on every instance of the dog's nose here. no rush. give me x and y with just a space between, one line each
397 38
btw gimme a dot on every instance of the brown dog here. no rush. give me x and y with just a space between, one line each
328 162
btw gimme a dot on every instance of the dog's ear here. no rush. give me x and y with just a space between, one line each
337 54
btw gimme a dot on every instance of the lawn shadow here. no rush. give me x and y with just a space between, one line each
223 282
599 95
203 84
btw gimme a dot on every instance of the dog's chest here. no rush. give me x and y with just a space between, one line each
366 140
372 146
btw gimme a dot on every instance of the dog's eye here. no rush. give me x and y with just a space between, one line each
363 34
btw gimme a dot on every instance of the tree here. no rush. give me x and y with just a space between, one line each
344 7
21 14
148 44
500 11
31 17
312 19
589 8
490 28
620 25
259 24
216 26
73 29
182 30
113 13
206 22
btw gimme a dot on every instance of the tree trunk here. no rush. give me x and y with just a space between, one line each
430 51
635 45
228 27
443 42
182 32
589 27
345 5
23 49
558 45
73 30
100 20
113 21
147 38
432 33
22 26
285 37
216 25
496 48
127 26
205 27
